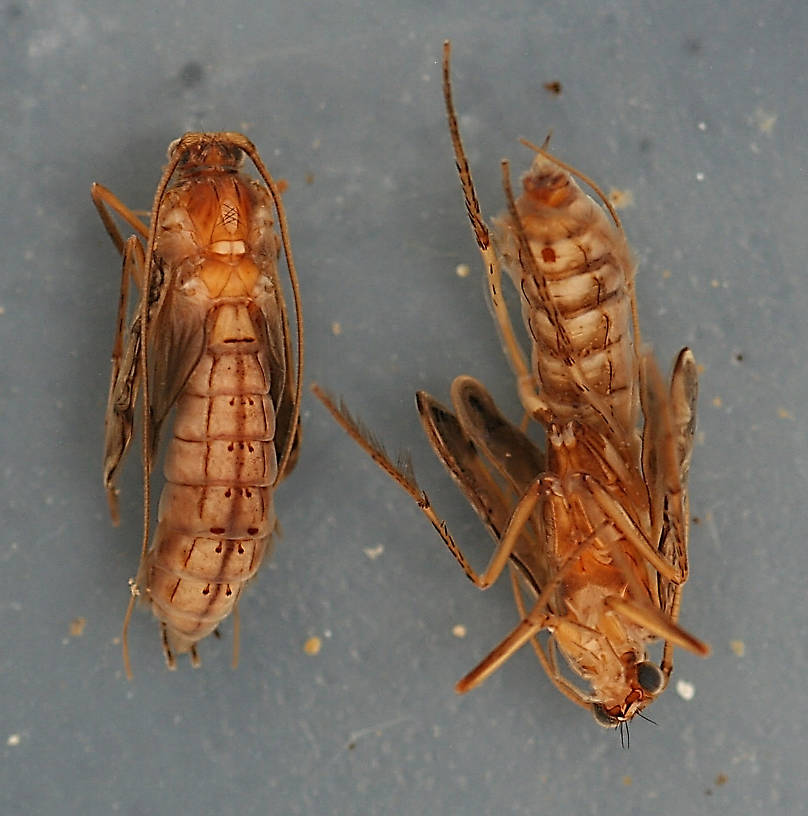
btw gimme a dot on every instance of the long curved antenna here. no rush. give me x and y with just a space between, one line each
248 147
144 377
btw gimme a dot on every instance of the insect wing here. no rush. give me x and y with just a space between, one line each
177 338
272 330
460 457
504 445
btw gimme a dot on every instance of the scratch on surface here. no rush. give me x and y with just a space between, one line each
713 529
355 736
307 732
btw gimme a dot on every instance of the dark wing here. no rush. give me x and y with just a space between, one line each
676 514
269 321
177 337
504 445
460 456
119 419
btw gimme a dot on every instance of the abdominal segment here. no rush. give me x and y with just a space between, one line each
216 513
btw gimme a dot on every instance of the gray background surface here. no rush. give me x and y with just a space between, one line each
694 110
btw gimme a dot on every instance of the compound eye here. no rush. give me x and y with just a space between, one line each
602 718
650 677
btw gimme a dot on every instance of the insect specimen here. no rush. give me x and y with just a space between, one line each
210 337
594 528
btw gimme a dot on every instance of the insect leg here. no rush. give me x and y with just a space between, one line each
482 234
531 624
639 609
547 659
105 201
402 474
124 377
171 660
236 636
683 396
633 534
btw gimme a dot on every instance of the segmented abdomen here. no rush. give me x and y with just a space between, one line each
216 513
576 298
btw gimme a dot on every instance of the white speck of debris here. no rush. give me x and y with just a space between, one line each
373 552
462 270
699 176
459 631
13 740
764 120
702 126
336 328
685 690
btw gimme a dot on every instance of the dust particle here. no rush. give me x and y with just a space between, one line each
77 627
553 87
721 779
717 402
458 630
685 690
13 740
693 45
700 368
764 120
283 185
192 73
784 414
620 199
2 310
666 273
462 270
336 328
309 178
373 552
627 781
738 647
312 646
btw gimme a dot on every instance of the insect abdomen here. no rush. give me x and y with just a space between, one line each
216 512
577 300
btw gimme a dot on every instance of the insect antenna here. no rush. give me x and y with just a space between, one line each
401 470
625 736
647 718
